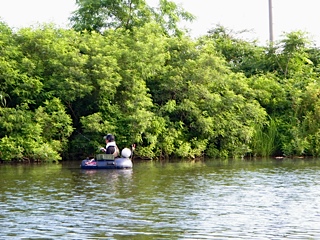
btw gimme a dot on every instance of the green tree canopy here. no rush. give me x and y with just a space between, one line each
101 15
219 96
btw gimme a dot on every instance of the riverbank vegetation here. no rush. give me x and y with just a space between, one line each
142 78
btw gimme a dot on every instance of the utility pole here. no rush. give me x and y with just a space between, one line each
270 22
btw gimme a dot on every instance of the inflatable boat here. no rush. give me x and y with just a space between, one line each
108 161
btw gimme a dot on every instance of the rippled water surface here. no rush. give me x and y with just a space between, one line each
204 200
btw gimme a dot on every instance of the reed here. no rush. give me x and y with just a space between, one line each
264 143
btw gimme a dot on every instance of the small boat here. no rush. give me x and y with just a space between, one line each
108 161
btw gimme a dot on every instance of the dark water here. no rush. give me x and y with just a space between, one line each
266 199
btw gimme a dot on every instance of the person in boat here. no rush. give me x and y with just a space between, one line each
111 146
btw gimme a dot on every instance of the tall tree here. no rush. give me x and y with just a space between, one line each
93 15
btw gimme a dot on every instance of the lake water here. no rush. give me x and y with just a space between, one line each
262 199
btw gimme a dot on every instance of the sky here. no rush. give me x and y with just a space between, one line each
236 15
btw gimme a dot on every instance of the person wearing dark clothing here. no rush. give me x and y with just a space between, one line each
111 146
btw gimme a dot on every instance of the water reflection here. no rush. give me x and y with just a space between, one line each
163 200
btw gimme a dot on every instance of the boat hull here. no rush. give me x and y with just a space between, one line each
118 163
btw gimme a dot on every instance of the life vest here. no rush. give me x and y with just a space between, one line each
116 149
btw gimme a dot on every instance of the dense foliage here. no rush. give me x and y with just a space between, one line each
218 96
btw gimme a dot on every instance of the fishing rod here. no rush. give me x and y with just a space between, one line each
83 136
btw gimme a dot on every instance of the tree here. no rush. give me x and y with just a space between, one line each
125 105
207 108
292 54
52 56
241 55
40 135
14 82
101 15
